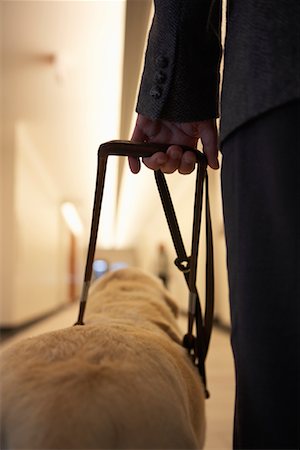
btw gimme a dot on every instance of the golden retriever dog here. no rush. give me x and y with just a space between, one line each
121 381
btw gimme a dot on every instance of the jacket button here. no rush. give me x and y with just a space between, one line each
160 77
155 92
162 61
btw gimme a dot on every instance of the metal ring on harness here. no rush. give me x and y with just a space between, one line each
183 264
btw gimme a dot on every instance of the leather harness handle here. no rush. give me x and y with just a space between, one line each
198 346
116 148
142 149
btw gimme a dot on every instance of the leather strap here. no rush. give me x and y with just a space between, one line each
197 346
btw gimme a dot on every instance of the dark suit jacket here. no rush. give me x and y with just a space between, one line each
261 65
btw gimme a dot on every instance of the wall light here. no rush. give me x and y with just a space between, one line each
72 218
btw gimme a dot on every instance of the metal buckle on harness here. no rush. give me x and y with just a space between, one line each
183 264
192 343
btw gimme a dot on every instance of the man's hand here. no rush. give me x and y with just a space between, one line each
161 131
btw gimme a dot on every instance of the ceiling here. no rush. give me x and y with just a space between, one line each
70 75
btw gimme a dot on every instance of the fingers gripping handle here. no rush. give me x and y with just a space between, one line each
143 149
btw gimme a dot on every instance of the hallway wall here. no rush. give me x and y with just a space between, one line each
61 72
35 248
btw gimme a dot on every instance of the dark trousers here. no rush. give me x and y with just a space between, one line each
260 184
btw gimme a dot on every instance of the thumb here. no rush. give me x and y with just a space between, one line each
209 139
138 135
134 164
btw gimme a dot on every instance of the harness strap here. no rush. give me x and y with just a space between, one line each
210 281
197 347
101 170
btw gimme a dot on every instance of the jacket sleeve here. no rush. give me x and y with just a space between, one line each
180 81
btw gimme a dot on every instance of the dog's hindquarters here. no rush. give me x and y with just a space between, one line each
120 381
105 388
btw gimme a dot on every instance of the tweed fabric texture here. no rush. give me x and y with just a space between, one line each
261 61
190 88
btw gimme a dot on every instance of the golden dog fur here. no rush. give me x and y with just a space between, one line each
122 381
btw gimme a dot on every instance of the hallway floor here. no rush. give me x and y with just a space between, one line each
220 374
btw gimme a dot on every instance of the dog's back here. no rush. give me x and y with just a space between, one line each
110 384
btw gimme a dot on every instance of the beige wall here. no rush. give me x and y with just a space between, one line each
35 250
61 68
7 217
